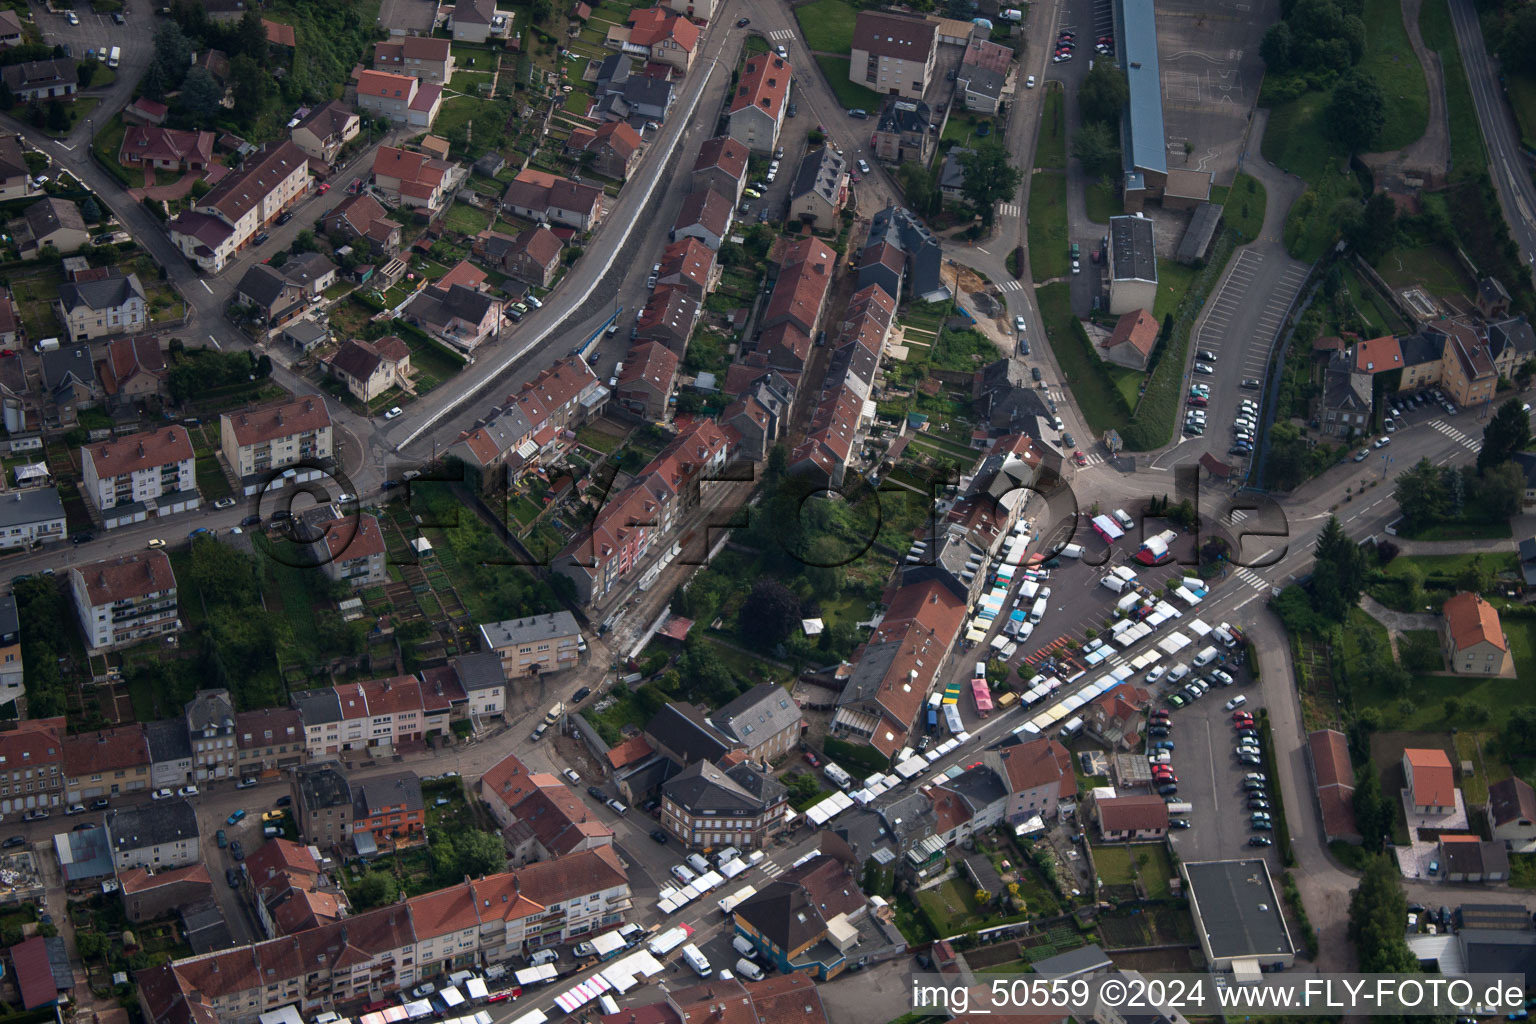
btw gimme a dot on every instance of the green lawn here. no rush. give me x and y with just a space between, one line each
1297 142
1114 865
850 94
1432 266
1051 144
1048 254
1094 393
466 219
1390 61
1451 565
1173 283
457 111
1102 202
1127 382
1370 305
1244 203
827 25
1427 693
1467 152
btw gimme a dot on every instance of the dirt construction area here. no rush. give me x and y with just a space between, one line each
1211 70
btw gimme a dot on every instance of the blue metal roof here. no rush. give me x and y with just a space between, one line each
1146 147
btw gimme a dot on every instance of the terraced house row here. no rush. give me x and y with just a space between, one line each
382 952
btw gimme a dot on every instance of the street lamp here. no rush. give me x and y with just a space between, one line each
1386 460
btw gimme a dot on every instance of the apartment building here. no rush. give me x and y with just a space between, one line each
387 951
268 740
11 675
387 808
536 644
371 713
32 765
1467 372
327 128
706 805
400 98
322 804
107 762
350 550
893 54
134 478
228 217
210 718
123 600
153 836
758 105
423 57
32 516
272 446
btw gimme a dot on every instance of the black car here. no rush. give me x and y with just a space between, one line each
83 826
1260 841
117 18
595 793
260 239
743 22
281 514
1068 441
13 842
1157 731
232 877
1258 803
236 850
1178 823
286 217
581 695
1445 919
283 801
660 836
1034 373
251 521
1168 790
792 110
82 538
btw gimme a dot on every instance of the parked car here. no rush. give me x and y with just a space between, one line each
235 817
660 836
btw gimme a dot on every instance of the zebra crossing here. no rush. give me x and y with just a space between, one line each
1239 514
1012 286
772 869
780 35
1093 459
1251 578
1460 438
1008 209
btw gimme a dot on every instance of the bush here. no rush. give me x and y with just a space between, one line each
157 208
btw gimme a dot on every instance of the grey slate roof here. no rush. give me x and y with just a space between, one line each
318 707
66 363
168 740
1146 147
1421 348
982 81
904 117
1197 237
645 91
613 72
1132 247
1514 333
480 671
323 785
864 681
952 174
679 728
263 285
107 293
49 215
1076 961
33 505
901 228
138 828
820 171
764 710
510 632
703 787
386 791
211 709
307 267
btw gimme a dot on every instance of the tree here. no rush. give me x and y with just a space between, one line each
1285 465
1338 576
1474 577
1103 95
1098 147
251 36
1518 50
201 95
1377 910
91 945
479 854
540 10
1357 112
919 187
375 889
223 574
304 241
173 54
1373 815
7 98
989 179
769 614
1420 493
1500 492
86 74
1375 230
1276 48
251 85
1519 735
90 211
58 117
1506 433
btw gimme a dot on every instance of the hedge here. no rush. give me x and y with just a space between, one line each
856 755
1282 832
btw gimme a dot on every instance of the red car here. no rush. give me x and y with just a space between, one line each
1080 458
969 767
325 187
810 759
1243 723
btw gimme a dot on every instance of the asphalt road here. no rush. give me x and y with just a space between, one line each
1506 159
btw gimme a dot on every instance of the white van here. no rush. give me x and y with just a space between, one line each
747 969
1038 611
1125 521
117 55
1179 807
48 345
1178 672
542 957
697 862
743 945
693 958
1205 657
981 670
839 777
1114 583
1073 551
1224 634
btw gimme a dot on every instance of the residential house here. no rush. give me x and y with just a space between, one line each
1474 640
15 175
31 517
41 80
268 740
793 315
684 734
541 816
165 149
534 645
483 679
18 400
1038 776
244 201
133 369
668 317
155 836
1511 812
1344 407
1131 818
820 188
722 166
828 447
698 10
904 131
268 292
689 265
764 721
892 673
32 772
898 239
614 147
145 111
362 217
210 717
123 600
462 317
636 98
756 112
532 256
148 896
706 806
474 21
311 273
1132 341
261 443
413 179
367 715
11 670
620 536
662 36
893 54
1467 372
546 199
705 215
329 126
985 76
952 175
170 753
650 373
1115 718
370 368
1492 298
107 762
757 418
1333 776
1431 783
1467 858
388 806
322 803
814 919
1511 343
10 29
49 222
279 33
399 98
106 305
424 57
132 478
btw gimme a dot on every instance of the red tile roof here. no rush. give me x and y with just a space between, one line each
1378 355
1137 328
1335 779
1038 762
463 273
143 451
1133 813
267 728
723 152
508 779
801 290
651 362
1471 621
270 422
106 750
1434 784
262 172
34 973
764 86
126 577
279 34
353 537
631 751
894 35
655 24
